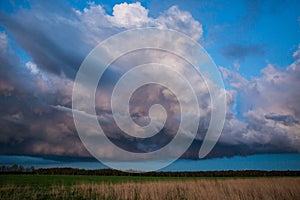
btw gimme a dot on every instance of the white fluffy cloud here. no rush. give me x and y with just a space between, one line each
134 15
130 15
181 21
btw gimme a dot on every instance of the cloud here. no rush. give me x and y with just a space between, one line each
233 78
130 15
16 118
51 42
62 36
241 51
181 21
236 65
3 41
296 54
32 67
287 120
5 88
270 108
27 122
57 38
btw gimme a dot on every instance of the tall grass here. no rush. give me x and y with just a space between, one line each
233 189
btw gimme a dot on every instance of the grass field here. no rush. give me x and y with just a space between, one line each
126 187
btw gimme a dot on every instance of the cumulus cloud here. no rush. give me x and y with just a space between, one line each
63 36
36 94
181 21
130 15
56 40
270 108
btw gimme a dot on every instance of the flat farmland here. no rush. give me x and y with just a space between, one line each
135 187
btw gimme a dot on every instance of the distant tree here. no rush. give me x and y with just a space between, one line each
14 168
20 168
29 169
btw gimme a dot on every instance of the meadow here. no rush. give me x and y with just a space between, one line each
128 187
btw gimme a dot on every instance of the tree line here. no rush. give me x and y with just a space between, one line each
16 169
19 169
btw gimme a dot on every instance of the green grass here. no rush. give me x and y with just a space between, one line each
68 180
32 186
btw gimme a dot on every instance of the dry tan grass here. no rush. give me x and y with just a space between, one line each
233 189
260 188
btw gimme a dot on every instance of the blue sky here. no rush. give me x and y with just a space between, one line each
254 44
254 162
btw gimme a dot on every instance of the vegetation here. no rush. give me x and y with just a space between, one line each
67 180
18 169
17 182
226 188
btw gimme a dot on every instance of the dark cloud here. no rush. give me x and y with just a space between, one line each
285 119
57 38
48 35
28 124
241 51
36 116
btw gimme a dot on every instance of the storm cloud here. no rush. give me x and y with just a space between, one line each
36 92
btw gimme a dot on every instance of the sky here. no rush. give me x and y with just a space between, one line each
254 44
254 162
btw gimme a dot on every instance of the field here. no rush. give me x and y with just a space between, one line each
127 187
